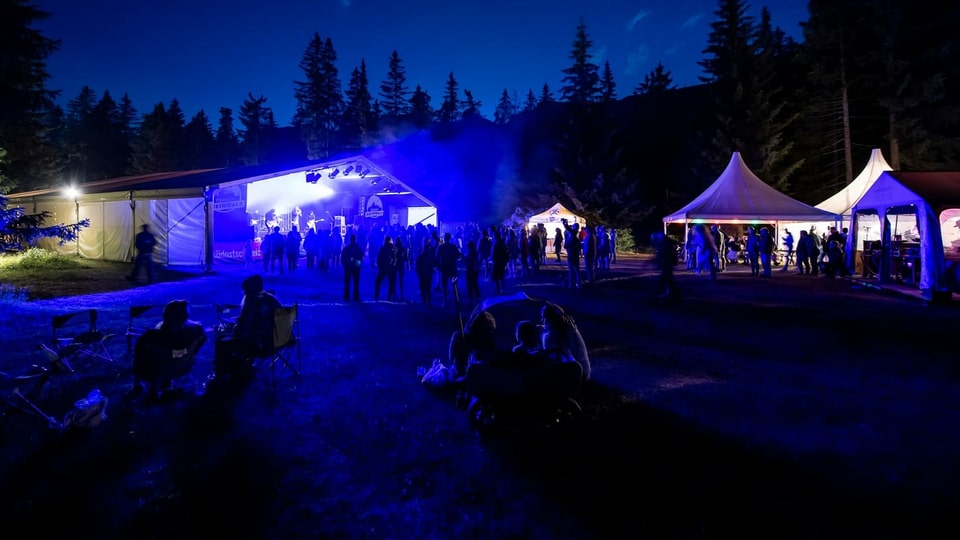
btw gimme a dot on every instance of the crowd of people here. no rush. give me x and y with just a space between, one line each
491 254
708 250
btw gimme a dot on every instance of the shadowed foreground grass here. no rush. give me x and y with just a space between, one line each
751 409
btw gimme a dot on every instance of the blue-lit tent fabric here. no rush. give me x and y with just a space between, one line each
739 196
924 194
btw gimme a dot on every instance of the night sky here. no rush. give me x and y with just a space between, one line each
210 53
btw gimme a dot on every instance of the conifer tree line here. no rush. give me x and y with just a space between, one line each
867 73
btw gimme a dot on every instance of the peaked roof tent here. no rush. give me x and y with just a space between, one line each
843 201
738 195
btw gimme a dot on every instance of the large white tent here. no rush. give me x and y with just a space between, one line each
205 215
843 201
928 200
738 196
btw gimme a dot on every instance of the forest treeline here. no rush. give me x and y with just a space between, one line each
804 115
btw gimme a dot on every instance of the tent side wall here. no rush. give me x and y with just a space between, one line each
178 225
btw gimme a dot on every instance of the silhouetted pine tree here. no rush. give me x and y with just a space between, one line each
581 84
835 39
319 98
505 109
393 90
656 82
546 96
608 87
449 110
470 106
258 122
156 147
199 150
421 113
728 68
358 122
77 134
530 103
25 102
227 142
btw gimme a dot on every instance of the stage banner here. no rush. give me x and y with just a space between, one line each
233 232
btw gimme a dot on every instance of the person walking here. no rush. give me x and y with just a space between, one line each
666 260
144 242
788 244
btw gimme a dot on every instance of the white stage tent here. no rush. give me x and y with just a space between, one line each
198 216
930 201
738 196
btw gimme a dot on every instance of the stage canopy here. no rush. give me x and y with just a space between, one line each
215 214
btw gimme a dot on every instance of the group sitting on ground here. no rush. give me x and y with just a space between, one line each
544 369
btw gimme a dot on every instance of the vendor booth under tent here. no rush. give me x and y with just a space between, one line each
919 243
555 216
739 197
203 216
552 218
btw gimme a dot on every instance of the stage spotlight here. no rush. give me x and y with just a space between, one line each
348 170
363 172
334 173
313 177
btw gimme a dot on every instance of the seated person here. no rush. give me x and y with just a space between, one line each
252 337
561 340
168 351
528 341
476 344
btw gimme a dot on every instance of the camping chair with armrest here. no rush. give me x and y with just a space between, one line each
286 343
142 318
75 335
226 318
160 361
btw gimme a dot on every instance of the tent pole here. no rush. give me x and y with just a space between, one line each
208 232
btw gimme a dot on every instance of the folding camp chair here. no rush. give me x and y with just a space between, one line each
142 318
162 361
75 335
286 343
226 318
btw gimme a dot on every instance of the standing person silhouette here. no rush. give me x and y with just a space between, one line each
557 243
351 258
573 253
144 242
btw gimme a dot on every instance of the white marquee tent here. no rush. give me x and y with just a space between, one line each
843 201
738 196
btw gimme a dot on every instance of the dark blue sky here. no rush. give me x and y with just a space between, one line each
210 53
